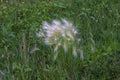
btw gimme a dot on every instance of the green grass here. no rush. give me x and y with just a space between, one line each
19 23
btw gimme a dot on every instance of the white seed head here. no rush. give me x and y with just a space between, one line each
40 34
65 48
63 30
81 54
74 52
78 40
92 49
60 34
56 48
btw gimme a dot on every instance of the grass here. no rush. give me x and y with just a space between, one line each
19 22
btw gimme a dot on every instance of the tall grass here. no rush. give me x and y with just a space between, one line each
23 56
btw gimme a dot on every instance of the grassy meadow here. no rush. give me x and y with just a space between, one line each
24 56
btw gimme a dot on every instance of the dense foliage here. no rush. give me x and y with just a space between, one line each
23 56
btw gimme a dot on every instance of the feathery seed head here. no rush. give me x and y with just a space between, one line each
60 34
74 52
58 31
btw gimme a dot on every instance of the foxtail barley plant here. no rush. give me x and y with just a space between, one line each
60 34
